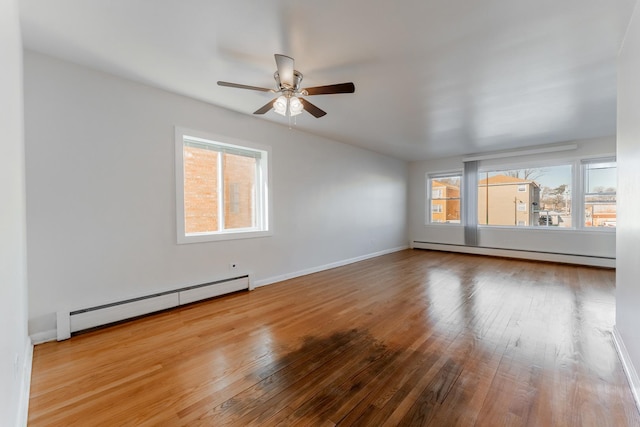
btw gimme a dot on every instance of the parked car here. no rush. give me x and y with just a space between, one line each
545 220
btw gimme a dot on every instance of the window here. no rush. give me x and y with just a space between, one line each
573 193
525 197
445 198
221 188
234 198
600 184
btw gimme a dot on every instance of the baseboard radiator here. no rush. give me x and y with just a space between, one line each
69 322
594 261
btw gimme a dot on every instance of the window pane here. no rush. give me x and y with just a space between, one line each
525 197
239 192
599 213
200 190
600 194
600 178
224 191
445 199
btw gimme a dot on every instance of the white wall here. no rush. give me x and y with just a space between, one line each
564 241
101 196
628 244
14 342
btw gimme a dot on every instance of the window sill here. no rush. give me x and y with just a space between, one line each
553 229
216 237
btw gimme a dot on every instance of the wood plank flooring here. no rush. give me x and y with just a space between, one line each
411 338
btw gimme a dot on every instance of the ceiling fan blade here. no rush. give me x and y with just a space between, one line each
239 86
285 69
312 109
330 89
266 107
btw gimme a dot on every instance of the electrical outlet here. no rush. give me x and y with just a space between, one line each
233 266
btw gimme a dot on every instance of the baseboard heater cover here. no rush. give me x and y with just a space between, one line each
79 320
590 260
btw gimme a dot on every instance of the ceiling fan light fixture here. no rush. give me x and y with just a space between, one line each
280 105
295 106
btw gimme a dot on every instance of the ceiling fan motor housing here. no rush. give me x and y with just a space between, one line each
297 79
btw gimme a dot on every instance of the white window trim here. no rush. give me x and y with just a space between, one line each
577 188
540 164
580 202
263 181
430 199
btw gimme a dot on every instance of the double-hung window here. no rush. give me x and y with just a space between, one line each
578 194
444 200
600 184
221 188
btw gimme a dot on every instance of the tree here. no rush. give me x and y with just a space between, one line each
558 196
450 181
561 189
528 174
554 198
602 194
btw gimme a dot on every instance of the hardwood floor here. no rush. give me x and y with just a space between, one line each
411 338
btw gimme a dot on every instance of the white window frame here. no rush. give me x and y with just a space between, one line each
501 165
582 192
577 187
430 198
263 206
498 166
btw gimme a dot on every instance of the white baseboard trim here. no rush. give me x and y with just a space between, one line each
25 387
51 335
44 336
629 370
521 254
283 277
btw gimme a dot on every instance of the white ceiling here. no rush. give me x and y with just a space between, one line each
433 78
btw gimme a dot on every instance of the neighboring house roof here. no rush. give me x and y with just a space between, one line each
504 179
438 184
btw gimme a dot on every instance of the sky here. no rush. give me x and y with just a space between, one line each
599 175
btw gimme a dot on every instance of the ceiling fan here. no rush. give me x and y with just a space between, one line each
290 102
